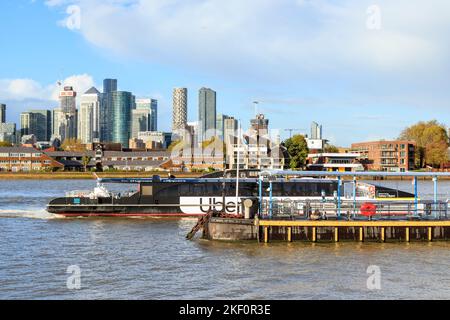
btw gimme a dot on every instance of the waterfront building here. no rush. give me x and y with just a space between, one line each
121 103
109 86
389 156
89 116
37 122
207 114
2 113
21 159
8 133
257 150
179 118
341 162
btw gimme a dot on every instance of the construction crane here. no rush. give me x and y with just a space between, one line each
292 130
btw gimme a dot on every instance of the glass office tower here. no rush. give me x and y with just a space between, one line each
121 105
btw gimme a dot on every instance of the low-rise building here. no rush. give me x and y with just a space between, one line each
20 159
342 162
389 156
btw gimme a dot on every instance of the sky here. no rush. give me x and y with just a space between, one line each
365 70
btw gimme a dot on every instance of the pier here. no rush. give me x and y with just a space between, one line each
343 219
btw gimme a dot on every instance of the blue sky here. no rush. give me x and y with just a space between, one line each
305 61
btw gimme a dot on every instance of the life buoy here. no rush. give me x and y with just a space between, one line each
368 209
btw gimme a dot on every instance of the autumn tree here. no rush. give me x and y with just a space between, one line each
297 148
432 142
329 148
5 144
73 145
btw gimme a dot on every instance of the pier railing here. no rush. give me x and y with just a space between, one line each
320 210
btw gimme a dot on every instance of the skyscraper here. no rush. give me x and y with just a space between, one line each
154 116
316 131
207 113
109 86
68 107
230 128
150 105
37 122
179 121
89 116
2 113
220 125
139 122
122 104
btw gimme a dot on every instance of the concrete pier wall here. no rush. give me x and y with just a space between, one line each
243 230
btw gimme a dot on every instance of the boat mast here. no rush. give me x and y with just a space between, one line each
237 168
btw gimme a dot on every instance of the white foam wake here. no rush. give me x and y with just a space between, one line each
30 214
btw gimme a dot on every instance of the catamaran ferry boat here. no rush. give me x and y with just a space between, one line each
171 197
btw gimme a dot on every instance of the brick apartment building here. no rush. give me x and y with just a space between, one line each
21 159
389 156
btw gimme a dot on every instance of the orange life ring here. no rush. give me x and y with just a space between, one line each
368 209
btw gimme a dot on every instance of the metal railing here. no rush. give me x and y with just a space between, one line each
349 210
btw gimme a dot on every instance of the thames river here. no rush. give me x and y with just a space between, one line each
150 258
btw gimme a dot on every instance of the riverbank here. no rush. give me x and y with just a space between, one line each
86 175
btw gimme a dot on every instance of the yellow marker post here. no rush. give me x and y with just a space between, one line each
430 233
336 234
289 234
314 234
383 234
361 234
407 234
266 234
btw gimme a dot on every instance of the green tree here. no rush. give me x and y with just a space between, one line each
431 142
85 160
329 148
297 148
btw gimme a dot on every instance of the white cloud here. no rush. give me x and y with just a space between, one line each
290 37
29 89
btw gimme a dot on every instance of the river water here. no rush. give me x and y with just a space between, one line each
150 258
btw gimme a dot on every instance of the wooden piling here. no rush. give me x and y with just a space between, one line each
336 234
289 234
407 234
314 234
383 234
430 233
361 234
266 234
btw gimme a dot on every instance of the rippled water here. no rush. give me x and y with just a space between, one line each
150 259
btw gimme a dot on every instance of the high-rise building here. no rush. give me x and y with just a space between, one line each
2 113
89 116
220 125
316 131
179 121
8 132
67 98
37 123
68 106
122 104
139 122
62 124
154 116
230 127
207 113
151 106
109 86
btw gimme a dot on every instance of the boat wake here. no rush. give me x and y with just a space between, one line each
37 213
